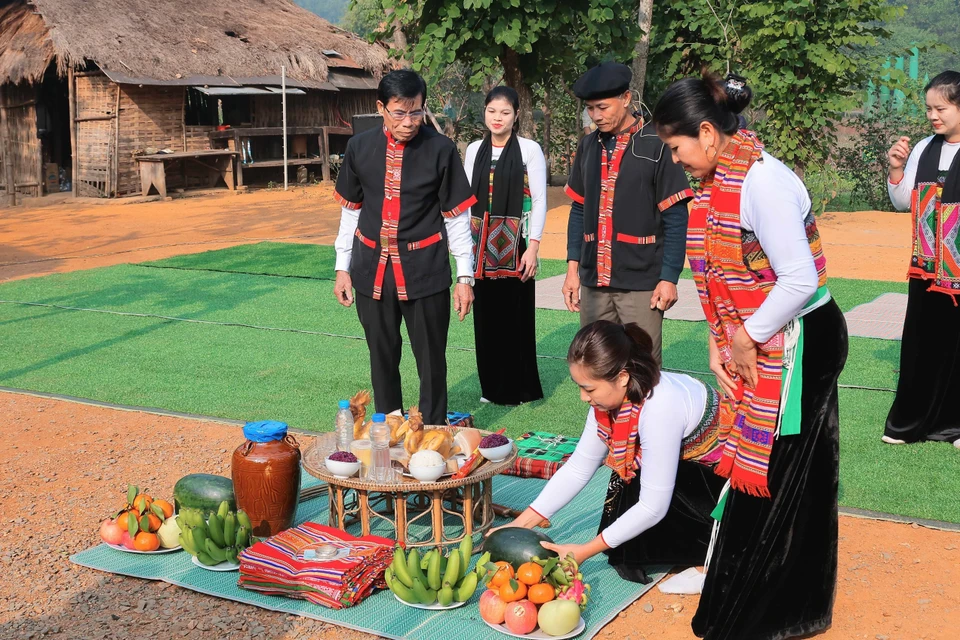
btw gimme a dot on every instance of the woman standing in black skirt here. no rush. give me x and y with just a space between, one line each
929 185
778 344
509 178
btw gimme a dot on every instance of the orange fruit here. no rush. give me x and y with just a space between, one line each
166 506
155 522
529 573
541 593
503 574
122 518
146 542
142 502
509 594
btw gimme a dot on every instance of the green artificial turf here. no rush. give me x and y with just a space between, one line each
297 375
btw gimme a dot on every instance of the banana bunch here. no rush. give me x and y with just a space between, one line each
219 538
435 578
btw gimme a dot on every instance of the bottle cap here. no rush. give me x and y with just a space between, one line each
379 417
344 404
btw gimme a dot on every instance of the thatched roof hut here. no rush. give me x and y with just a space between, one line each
155 56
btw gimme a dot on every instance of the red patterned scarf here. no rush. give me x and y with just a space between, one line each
620 433
730 293
609 172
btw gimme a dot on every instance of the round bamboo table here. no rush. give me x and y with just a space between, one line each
467 502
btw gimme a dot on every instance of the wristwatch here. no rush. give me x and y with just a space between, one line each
466 280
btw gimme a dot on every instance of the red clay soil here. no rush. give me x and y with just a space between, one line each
66 466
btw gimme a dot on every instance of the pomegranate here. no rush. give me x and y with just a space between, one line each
521 617
110 532
127 541
492 607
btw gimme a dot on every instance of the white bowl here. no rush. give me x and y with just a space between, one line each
496 454
342 469
428 474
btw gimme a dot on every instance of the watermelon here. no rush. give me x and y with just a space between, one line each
516 545
203 491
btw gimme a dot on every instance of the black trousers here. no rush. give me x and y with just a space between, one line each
504 323
925 407
773 574
427 320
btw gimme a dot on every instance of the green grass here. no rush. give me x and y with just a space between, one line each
248 373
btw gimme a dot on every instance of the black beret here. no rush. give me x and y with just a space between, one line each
606 80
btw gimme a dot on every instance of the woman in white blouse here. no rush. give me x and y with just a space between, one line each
657 432
509 178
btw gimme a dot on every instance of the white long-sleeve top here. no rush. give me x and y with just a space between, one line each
459 239
671 414
900 193
536 167
773 205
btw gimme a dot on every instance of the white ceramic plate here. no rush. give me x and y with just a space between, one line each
223 566
436 606
538 634
119 547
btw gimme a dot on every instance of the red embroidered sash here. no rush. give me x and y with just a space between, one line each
389 248
609 171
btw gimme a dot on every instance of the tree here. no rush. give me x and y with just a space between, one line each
642 50
806 60
526 43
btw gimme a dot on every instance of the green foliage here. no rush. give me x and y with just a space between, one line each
363 17
804 59
930 25
552 40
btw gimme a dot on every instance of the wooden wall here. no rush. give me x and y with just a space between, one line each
315 109
151 120
96 113
18 122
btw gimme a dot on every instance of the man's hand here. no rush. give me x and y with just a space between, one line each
462 299
343 288
664 296
571 287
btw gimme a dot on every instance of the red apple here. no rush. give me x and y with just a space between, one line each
492 607
521 617
110 532
127 541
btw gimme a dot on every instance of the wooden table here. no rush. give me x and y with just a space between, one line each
467 502
233 139
218 164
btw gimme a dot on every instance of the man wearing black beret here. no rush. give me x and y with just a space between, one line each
626 237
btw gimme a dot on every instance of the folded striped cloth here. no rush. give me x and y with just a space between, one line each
276 566
541 454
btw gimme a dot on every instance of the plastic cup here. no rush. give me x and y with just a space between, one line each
361 449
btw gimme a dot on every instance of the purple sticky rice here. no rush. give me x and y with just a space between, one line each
343 456
493 440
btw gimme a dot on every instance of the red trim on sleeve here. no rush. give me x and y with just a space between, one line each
622 237
674 199
426 242
898 181
543 517
605 541
367 241
460 208
589 237
346 204
573 195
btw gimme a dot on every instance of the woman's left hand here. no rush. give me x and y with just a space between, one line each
528 263
744 351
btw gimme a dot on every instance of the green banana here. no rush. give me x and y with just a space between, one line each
466 588
413 566
206 559
452 574
223 510
231 553
199 537
243 538
244 520
215 552
433 570
425 561
388 575
215 529
186 545
443 563
424 595
481 568
400 568
466 550
403 592
230 529
445 595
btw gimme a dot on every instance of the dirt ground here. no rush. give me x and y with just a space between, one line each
70 235
66 465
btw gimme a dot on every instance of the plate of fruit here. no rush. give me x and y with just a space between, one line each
143 525
434 581
215 539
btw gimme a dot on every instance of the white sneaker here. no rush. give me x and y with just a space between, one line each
956 443
890 440
484 400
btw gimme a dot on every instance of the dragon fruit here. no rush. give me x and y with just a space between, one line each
577 591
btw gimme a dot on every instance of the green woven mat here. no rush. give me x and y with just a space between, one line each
382 614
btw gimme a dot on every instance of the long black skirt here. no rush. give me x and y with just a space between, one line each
504 322
681 538
926 406
773 573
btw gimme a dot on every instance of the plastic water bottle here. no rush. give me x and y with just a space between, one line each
380 469
344 426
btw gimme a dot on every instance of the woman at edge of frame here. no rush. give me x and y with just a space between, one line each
657 512
777 345
508 175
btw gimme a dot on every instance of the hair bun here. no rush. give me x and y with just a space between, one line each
738 93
